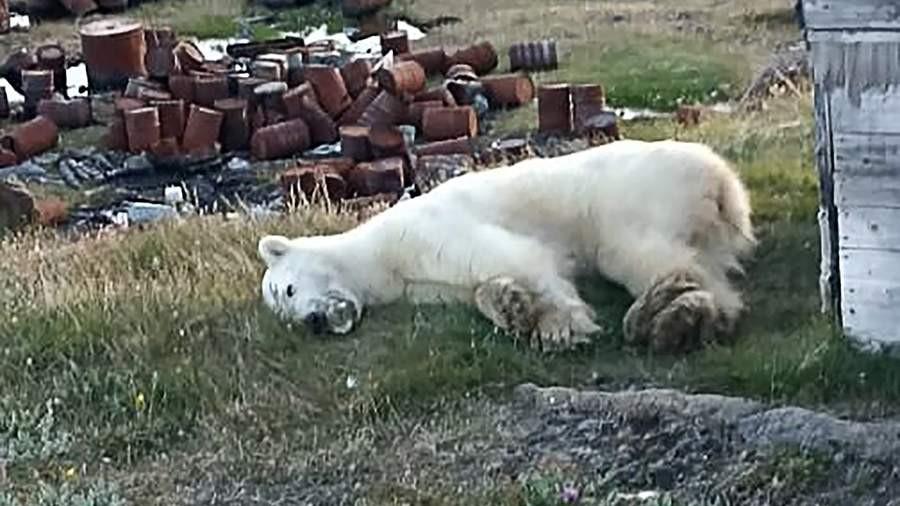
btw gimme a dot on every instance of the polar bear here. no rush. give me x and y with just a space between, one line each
668 220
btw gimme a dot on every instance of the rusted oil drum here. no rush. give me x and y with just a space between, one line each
246 87
31 138
171 117
385 109
433 60
281 140
356 75
116 137
416 109
74 113
113 52
160 60
554 108
235 132
330 88
322 129
182 87
293 99
458 146
436 93
380 176
588 100
52 57
36 86
442 123
509 90
209 89
267 70
355 142
202 129
538 55
188 56
359 106
142 127
402 78
386 141
396 41
356 8
482 57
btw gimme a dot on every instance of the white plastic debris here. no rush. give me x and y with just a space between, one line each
173 195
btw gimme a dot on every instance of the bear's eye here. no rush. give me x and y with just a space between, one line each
290 290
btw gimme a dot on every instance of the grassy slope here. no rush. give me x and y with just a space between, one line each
150 349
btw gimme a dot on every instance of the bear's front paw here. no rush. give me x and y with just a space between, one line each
508 304
564 328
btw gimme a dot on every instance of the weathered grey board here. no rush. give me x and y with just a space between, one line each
838 14
867 170
870 310
863 190
871 265
878 112
869 227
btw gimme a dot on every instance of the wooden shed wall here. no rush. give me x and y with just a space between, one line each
855 47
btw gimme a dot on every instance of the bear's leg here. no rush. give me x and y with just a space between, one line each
679 303
549 312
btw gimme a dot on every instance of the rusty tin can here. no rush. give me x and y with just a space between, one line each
182 87
142 127
401 78
538 55
113 52
482 57
442 123
588 100
330 88
356 76
396 41
432 60
209 89
281 140
74 113
359 106
385 109
171 117
379 176
31 138
202 128
555 108
355 142
458 146
509 90
235 134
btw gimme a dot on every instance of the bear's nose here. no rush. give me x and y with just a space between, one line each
316 322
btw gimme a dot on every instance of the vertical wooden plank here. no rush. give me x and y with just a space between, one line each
829 267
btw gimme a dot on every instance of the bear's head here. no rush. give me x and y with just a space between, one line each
304 284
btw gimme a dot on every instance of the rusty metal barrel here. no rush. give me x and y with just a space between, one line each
509 90
37 85
433 60
171 118
113 52
355 142
281 140
406 77
31 138
416 109
52 57
442 123
359 106
380 176
235 134
385 109
554 108
356 75
482 57
588 101
74 113
182 87
460 145
396 41
202 128
538 55
208 89
142 127
330 88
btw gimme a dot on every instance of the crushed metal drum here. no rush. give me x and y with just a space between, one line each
356 76
482 57
416 109
235 134
209 89
355 142
387 141
554 108
533 56
53 57
442 123
588 100
113 51
359 106
330 88
281 140
182 87
171 118
314 182
433 60
381 176
385 109
66 113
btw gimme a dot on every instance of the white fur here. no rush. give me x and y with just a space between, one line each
632 210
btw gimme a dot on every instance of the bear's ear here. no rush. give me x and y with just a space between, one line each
273 247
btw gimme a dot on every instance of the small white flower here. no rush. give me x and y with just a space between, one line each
352 382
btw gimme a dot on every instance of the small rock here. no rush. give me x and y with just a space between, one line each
146 212
138 163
